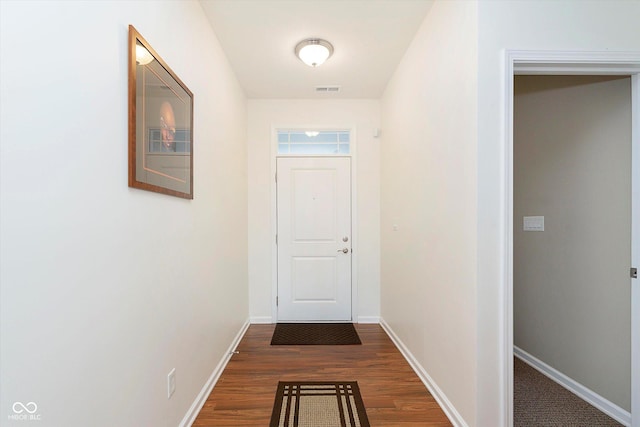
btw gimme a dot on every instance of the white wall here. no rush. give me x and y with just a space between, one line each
524 25
428 281
106 288
571 293
266 115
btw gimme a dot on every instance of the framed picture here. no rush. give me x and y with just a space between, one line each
160 124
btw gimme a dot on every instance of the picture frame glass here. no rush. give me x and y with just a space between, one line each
161 141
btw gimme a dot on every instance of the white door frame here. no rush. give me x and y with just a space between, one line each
568 63
354 211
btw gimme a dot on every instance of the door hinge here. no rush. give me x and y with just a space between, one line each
276 239
276 177
634 273
276 301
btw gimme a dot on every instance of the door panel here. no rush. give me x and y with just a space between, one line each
314 219
314 279
314 202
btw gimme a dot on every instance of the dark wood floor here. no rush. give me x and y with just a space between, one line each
392 393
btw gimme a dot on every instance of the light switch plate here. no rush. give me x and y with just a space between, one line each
533 223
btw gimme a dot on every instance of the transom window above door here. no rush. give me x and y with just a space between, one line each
310 142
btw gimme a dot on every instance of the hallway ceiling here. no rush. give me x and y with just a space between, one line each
369 38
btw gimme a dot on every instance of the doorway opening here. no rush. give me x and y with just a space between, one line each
568 63
572 249
314 171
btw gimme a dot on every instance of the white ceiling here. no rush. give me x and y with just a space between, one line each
369 38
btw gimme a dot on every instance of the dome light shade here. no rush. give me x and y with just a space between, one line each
314 52
143 56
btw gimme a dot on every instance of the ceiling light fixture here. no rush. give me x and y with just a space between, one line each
313 52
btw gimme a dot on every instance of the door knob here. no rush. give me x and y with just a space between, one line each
344 251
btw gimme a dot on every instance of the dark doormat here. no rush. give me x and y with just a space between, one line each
313 404
315 334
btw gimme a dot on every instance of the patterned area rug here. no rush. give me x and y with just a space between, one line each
315 334
318 404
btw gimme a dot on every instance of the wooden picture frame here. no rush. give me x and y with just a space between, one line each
160 124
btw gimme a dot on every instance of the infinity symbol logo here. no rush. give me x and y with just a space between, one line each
20 407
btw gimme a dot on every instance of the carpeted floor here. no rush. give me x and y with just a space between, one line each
540 402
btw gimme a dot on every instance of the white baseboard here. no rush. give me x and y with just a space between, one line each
369 319
446 405
257 320
197 405
604 405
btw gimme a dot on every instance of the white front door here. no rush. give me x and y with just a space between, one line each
314 238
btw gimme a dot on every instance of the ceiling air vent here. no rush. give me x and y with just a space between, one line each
327 89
